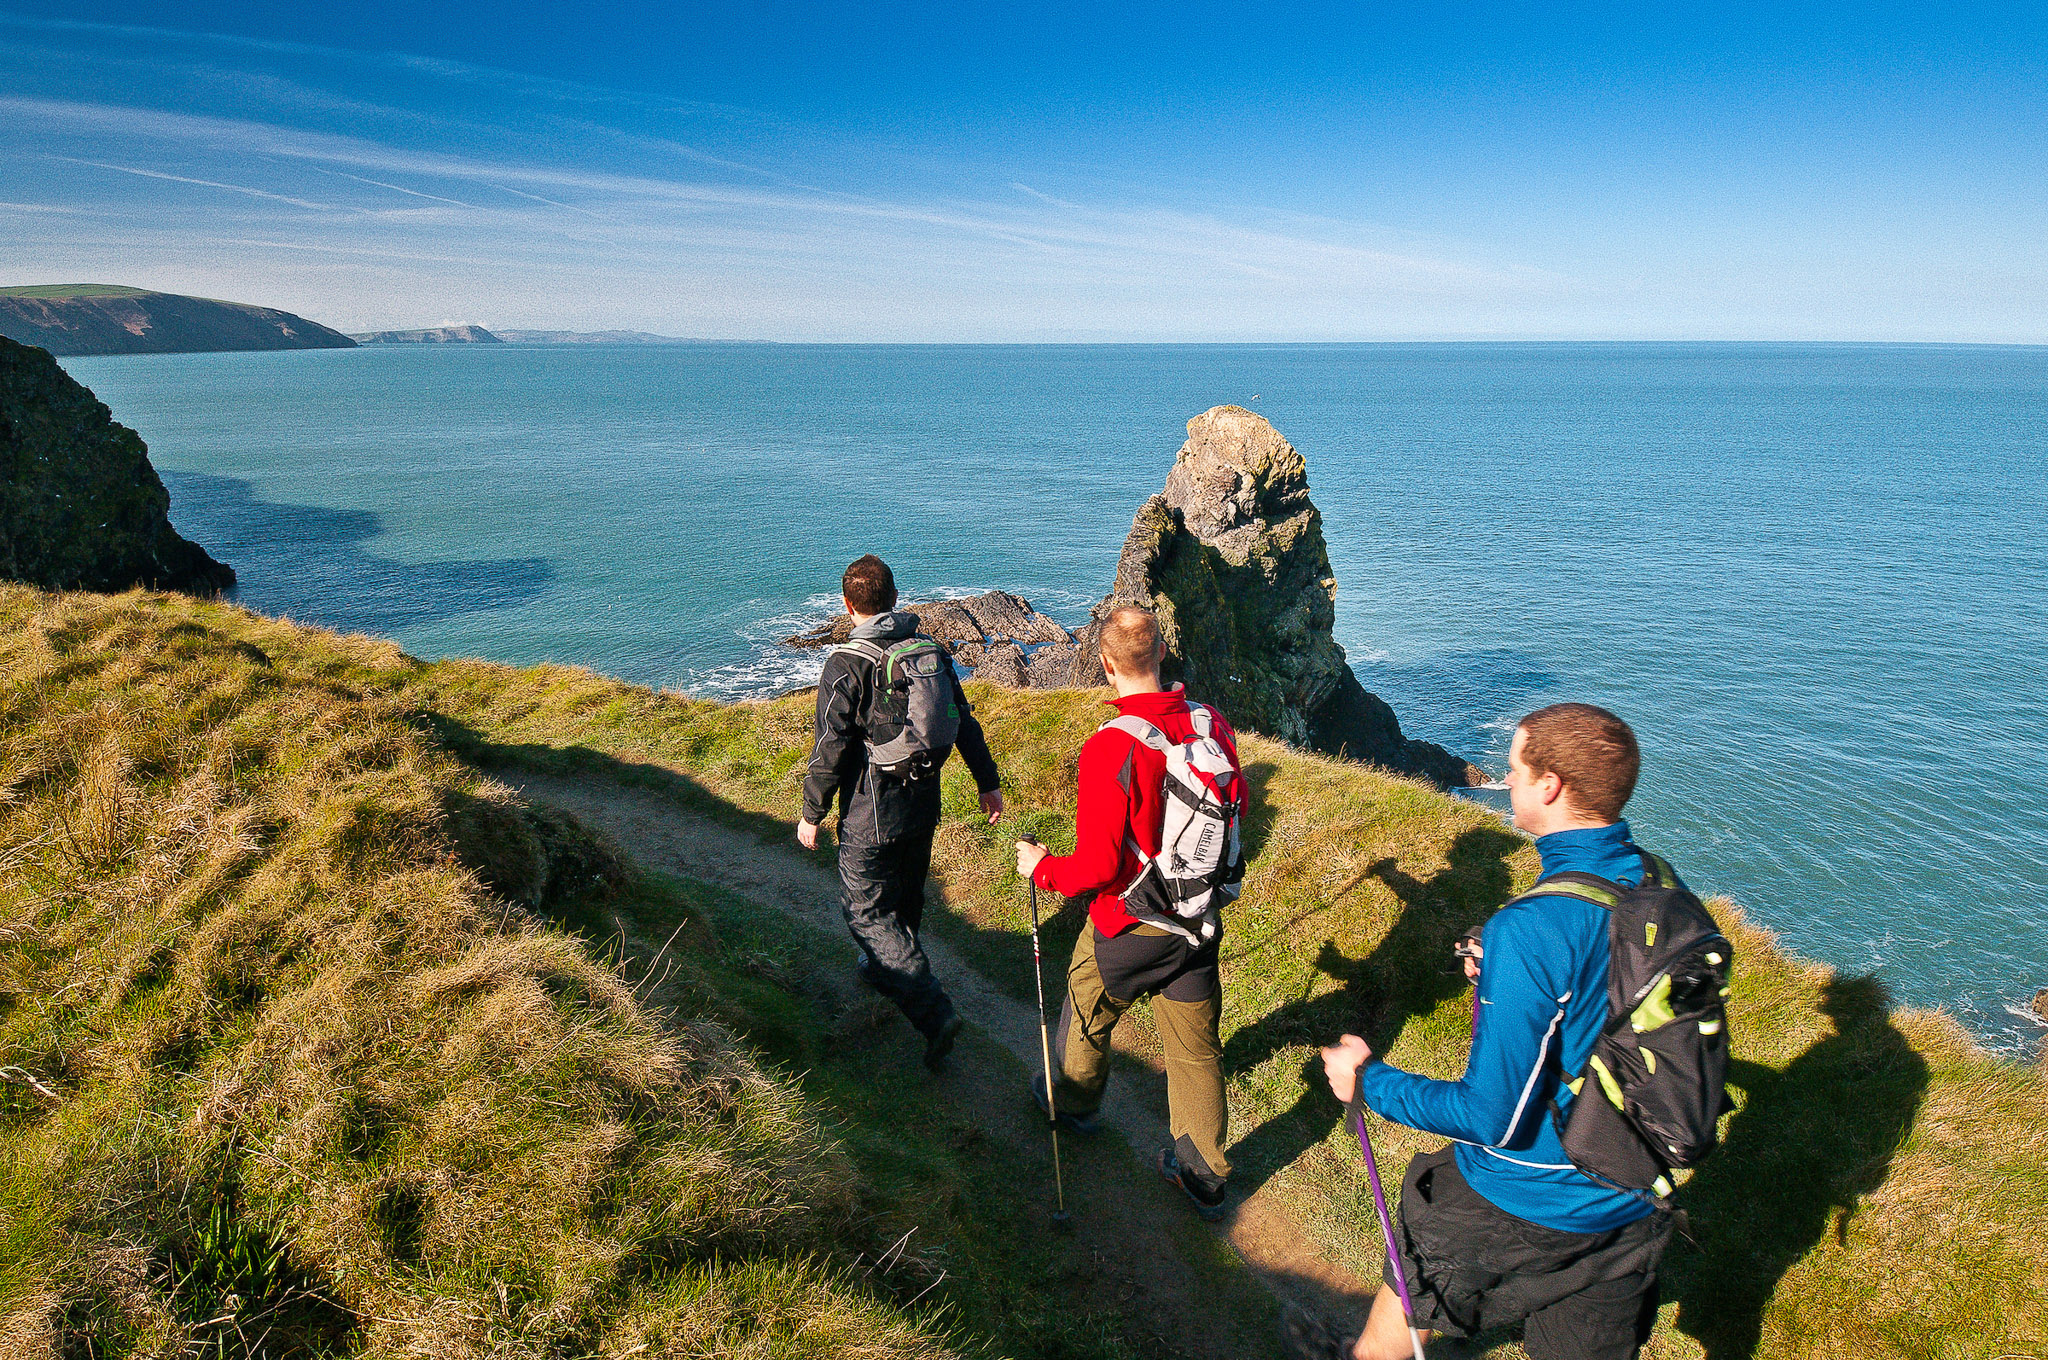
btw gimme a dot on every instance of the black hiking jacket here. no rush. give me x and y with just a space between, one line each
840 756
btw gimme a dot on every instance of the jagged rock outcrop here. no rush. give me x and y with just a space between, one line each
80 506
998 636
1231 557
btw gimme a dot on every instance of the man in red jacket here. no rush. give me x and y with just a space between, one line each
1120 957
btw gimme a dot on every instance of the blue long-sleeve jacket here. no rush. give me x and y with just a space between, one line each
1542 1002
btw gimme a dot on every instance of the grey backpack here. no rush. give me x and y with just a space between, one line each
912 712
1200 865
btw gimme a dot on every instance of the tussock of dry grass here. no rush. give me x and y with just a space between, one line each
278 1071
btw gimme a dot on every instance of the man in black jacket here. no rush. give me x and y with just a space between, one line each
886 821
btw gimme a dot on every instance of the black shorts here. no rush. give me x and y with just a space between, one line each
1148 959
1473 1267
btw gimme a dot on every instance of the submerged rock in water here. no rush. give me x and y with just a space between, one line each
1231 557
80 506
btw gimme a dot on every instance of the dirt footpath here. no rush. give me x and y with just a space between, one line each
1130 1245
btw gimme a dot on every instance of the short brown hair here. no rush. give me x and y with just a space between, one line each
1130 637
869 585
1592 752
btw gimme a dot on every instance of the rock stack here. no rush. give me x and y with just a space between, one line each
1232 559
80 506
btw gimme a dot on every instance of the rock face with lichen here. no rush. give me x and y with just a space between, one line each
1232 559
80 506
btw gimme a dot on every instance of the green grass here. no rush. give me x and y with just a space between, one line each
72 290
1882 1174
1877 1196
282 1077
972 1210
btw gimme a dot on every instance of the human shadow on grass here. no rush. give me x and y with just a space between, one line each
1410 972
1812 1141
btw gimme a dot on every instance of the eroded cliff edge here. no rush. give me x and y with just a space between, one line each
80 506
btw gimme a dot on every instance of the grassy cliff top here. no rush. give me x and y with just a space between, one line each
276 1027
73 290
279 1076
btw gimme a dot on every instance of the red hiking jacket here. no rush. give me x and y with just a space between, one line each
1121 797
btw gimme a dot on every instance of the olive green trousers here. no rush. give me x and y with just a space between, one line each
1187 1005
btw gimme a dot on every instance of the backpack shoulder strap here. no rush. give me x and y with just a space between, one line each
1199 715
1601 892
1139 729
1656 873
863 647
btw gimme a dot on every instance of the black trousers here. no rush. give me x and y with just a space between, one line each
885 855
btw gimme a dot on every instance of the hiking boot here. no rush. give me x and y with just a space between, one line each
864 969
940 1042
1208 1203
1082 1124
1310 1337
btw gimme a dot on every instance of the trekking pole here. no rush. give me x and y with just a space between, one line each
1052 1117
1379 1202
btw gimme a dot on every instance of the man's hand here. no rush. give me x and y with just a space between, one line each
807 835
1341 1062
992 804
1028 855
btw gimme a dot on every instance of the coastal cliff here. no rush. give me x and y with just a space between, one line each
433 335
96 318
80 506
1231 556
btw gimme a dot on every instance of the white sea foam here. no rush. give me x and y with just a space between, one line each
2027 1014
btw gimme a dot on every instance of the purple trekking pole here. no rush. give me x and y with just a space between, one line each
1379 1202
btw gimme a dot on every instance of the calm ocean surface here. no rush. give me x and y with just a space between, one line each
1815 578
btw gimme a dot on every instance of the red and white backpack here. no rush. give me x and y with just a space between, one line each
1200 864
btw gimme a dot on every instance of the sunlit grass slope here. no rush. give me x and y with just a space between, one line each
268 1042
1882 1180
279 1076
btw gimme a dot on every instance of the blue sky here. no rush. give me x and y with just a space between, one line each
1184 172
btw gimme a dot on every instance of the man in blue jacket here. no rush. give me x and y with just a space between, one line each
1500 1228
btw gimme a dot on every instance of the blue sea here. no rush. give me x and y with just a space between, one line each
1814 577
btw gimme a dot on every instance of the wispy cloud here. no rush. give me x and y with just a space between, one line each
203 183
515 216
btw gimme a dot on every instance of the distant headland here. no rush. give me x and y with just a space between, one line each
102 318
432 335
478 335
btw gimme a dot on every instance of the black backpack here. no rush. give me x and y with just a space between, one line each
912 716
1652 1093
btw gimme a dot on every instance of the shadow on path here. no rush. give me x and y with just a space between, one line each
1810 1144
1409 973
307 562
1134 1242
